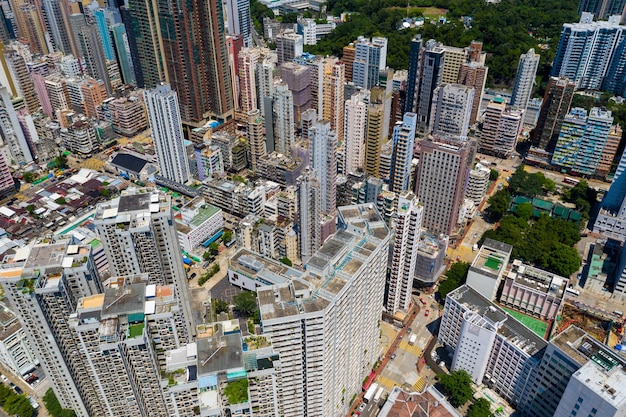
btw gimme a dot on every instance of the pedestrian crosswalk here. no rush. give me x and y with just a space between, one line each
419 384
411 349
385 382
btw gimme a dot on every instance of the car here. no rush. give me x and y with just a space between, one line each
4 378
422 301
362 406
192 276
475 234
409 330
426 313
205 264
18 390
393 356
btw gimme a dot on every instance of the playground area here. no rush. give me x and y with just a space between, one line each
538 326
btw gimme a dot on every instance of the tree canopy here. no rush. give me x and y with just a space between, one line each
529 185
54 407
458 386
245 303
479 408
455 277
499 204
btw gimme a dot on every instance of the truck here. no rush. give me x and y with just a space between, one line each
370 393
412 339
379 394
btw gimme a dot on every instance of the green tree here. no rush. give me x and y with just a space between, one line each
245 303
455 277
61 201
105 192
19 404
5 393
28 177
458 385
499 204
227 236
220 306
54 407
237 391
30 208
524 211
286 261
206 255
214 248
493 174
480 408
61 161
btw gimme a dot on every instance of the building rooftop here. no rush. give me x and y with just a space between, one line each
330 269
133 201
609 385
509 328
219 353
492 258
124 300
129 162
582 347
537 279
428 403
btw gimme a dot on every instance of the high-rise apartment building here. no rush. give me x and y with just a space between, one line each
7 184
309 213
602 9
416 55
12 134
525 79
284 123
123 53
444 164
432 67
57 25
451 110
348 56
289 45
298 79
582 140
239 20
333 98
264 82
323 145
501 128
247 63
21 78
33 29
355 131
588 49
556 103
453 58
404 253
474 74
139 237
324 323
167 133
374 132
403 142
43 286
256 140
370 58
194 51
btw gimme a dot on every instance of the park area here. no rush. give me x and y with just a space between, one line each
540 327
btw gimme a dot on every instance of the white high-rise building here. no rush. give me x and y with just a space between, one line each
403 142
239 20
167 132
404 254
324 162
264 82
248 59
525 79
355 122
324 322
139 236
12 134
451 110
284 124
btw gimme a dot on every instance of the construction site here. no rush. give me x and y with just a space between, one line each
603 327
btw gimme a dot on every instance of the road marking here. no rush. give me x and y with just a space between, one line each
419 384
415 350
385 382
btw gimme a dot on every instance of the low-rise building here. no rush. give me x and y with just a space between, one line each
16 354
197 223
429 402
488 267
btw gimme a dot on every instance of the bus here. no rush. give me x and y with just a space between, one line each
570 180
370 393
572 292
369 381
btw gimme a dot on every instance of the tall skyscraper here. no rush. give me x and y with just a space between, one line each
474 74
256 140
416 55
525 79
104 19
404 253
403 142
309 213
374 132
264 82
92 56
443 167
432 67
453 58
167 133
7 184
324 161
501 128
354 131
139 237
298 79
194 50
239 20
57 25
582 139
370 58
12 134
333 98
328 338
452 110
586 50
123 54
556 103
247 63
602 9
34 29
284 123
